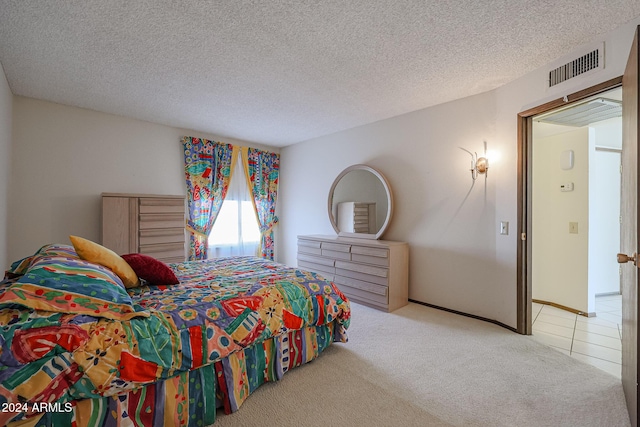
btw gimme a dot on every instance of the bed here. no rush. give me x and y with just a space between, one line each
79 348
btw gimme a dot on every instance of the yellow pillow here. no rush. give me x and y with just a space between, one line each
98 254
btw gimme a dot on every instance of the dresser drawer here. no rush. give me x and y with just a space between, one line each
369 270
371 259
154 205
335 254
362 276
324 271
378 256
316 259
166 235
148 221
362 285
384 262
322 266
309 250
374 252
338 247
309 247
360 295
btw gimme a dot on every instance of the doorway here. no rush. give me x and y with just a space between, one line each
575 229
575 211
526 198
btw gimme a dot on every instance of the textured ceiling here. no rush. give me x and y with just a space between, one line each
280 72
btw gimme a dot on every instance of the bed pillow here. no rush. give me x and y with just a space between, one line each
72 285
154 272
98 254
20 267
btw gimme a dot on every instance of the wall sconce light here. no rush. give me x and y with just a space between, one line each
479 165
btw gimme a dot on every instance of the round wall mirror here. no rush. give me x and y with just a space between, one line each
360 203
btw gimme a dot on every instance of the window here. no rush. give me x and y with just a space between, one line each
236 223
236 230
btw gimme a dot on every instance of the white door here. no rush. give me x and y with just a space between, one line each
629 241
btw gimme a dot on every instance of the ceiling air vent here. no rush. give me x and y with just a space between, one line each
584 114
590 61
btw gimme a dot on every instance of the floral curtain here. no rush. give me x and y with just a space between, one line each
262 170
208 167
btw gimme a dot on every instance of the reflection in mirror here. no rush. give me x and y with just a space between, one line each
360 202
357 217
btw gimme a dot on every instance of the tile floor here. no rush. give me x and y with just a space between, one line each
594 340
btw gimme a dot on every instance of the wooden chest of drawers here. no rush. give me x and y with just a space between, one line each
371 272
153 225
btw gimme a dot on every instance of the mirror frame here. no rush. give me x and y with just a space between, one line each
387 188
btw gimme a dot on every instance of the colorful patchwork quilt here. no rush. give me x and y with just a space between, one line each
69 334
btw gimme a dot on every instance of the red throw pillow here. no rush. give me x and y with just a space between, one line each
150 269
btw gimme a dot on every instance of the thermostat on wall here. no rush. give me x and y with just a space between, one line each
567 186
566 160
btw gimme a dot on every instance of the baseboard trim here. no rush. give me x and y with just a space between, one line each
461 313
563 307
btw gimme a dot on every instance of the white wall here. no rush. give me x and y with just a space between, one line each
6 118
65 157
560 259
448 220
458 259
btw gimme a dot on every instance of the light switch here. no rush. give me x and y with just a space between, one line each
504 228
573 227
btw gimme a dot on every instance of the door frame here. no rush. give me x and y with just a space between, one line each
525 139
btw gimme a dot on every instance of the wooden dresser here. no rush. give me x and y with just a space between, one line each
149 224
371 272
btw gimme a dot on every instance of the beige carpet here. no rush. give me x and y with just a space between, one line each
420 366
